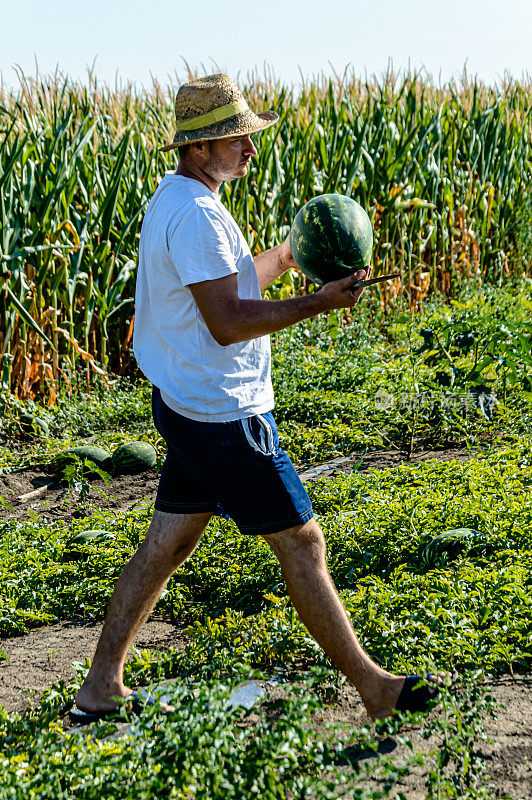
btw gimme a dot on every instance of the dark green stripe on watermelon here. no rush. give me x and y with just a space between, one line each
331 237
76 547
134 457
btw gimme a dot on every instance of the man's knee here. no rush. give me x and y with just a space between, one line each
302 541
175 536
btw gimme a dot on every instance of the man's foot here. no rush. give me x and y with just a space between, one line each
79 717
134 706
400 694
91 706
92 701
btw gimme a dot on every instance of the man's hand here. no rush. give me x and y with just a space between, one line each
286 259
340 294
271 264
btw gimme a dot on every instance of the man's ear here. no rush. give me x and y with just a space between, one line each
201 148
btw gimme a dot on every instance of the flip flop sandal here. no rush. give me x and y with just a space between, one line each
417 698
136 703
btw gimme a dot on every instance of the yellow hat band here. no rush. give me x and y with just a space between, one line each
216 115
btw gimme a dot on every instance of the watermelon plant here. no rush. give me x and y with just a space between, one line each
378 526
328 375
211 750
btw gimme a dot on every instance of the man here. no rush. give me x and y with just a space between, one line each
201 337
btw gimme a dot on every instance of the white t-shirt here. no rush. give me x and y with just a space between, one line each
188 236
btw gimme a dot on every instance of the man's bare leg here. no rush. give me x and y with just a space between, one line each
170 540
301 553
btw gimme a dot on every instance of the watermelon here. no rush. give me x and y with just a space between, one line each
90 537
331 237
101 457
134 457
74 549
449 545
33 425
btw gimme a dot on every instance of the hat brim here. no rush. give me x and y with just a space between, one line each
240 125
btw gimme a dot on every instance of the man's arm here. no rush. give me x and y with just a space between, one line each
231 320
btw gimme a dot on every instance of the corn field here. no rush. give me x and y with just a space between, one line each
444 173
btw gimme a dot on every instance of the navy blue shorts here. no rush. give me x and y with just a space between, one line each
234 469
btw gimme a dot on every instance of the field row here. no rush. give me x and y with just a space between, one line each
470 590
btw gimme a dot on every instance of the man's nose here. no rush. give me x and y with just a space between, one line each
249 147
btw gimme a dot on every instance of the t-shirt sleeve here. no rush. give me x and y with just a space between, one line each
200 248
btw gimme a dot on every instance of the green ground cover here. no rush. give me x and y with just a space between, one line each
416 603
461 602
208 751
419 600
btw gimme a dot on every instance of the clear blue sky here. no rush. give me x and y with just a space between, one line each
135 39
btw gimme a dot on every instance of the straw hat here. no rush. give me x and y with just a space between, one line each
214 108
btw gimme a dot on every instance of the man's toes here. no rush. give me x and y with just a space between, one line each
441 678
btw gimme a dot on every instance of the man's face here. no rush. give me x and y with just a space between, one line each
228 159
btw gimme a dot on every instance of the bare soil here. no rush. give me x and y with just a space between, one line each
63 503
507 753
46 654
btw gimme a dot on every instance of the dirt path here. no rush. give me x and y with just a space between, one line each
46 654
124 491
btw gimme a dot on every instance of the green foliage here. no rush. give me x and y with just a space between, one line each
501 344
471 610
460 770
412 380
432 561
77 472
374 384
206 749
41 584
107 416
197 751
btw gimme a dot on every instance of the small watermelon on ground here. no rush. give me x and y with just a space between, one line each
101 457
90 537
449 545
331 237
33 425
133 457
74 549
